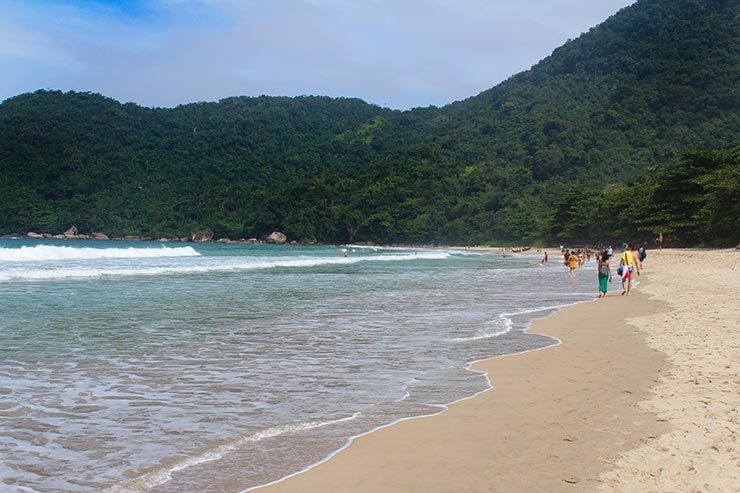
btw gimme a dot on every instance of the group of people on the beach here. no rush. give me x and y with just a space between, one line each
574 259
630 263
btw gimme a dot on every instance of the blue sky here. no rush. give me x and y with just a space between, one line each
395 53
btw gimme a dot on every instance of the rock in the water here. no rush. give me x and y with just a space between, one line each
202 236
276 237
71 232
99 236
31 234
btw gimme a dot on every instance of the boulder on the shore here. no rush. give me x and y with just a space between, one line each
251 241
202 236
31 234
58 237
99 236
276 237
71 232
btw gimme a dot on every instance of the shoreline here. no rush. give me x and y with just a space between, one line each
444 407
582 402
487 366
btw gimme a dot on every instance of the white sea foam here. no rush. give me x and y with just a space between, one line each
49 252
541 308
364 247
161 476
500 327
503 323
465 253
376 248
82 272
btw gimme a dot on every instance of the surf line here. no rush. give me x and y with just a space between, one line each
442 407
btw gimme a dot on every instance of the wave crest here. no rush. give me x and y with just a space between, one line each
87 272
48 252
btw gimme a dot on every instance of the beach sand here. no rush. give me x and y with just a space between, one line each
642 395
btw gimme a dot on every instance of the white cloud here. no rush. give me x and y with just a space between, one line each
399 53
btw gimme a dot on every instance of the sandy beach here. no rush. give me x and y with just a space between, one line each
641 395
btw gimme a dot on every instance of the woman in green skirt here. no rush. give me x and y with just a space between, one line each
605 273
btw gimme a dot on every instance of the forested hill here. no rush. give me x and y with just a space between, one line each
84 159
659 77
655 78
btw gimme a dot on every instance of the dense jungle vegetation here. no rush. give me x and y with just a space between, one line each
626 131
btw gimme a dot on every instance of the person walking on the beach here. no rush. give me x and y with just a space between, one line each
573 262
641 254
628 268
659 239
605 273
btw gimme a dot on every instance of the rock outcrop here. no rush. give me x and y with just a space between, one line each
277 238
71 232
31 234
99 236
202 236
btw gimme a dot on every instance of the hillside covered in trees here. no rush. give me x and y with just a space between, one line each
635 115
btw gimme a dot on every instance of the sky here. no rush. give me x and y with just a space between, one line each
395 53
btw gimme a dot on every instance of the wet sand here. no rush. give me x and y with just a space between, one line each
642 395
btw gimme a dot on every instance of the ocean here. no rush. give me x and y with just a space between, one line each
171 367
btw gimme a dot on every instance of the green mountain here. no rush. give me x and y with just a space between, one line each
657 78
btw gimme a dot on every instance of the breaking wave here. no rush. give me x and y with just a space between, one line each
84 272
48 252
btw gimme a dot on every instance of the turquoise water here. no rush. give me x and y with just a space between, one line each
140 366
